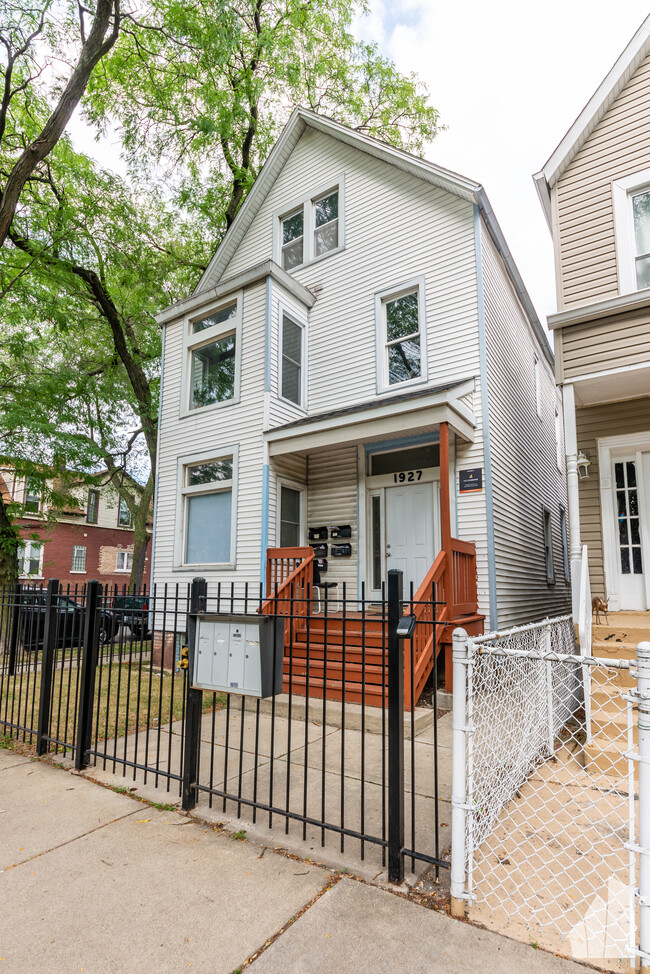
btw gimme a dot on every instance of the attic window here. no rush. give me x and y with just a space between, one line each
326 224
311 229
292 240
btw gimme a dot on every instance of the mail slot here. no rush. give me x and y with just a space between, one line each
235 654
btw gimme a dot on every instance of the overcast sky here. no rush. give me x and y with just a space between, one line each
508 78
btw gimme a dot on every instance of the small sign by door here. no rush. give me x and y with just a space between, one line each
470 481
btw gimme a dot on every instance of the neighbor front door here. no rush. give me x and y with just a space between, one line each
410 531
630 522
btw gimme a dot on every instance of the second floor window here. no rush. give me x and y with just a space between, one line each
32 497
641 220
93 507
402 338
124 514
213 346
291 361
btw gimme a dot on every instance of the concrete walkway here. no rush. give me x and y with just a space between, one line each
91 881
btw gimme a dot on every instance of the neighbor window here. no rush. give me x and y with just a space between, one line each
310 230
124 514
78 558
402 347
212 348
207 494
124 561
548 548
631 198
291 361
93 507
564 530
641 222
32 497
29 559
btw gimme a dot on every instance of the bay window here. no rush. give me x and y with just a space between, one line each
631 198
213 354
291 361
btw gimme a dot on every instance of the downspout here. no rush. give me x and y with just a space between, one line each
485 411
266 472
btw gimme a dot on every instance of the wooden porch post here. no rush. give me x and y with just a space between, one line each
445 505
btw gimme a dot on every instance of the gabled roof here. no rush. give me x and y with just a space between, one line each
451 182
599 103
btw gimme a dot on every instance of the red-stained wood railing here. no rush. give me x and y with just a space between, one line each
289 583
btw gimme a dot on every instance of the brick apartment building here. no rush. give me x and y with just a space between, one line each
92 539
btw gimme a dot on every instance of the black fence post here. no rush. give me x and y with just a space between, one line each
15 622
193 699
395 731
50 624
88 667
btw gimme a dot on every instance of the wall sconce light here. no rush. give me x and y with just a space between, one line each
583 466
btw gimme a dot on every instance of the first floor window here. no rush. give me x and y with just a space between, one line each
124 561
78 558
290 527
207 499
402 349
93 507
29 558
124 514
548 548
291 361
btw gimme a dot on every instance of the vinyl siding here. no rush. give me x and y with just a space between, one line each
525 476
593 422
614 342
214 431
619 146
332 499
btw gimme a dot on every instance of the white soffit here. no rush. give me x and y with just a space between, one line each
592 113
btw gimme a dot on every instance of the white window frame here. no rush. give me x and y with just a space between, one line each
37 495
564 532
126 567
94 491
29 543
622 192
307 204
78 571
183 491
192 342
121 503
549 554
381 300
302 490
284 310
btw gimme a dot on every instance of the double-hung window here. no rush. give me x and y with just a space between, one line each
538 386
311 229
641 222
124 514
92 511
291 360
32 497
548 548
78 558
401 336
213 350
30 559
208 533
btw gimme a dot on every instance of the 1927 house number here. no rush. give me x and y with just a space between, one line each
407 478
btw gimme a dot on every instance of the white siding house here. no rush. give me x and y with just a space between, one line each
362 304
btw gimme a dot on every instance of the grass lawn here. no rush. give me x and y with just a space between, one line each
118 687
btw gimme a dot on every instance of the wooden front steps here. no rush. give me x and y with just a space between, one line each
616 638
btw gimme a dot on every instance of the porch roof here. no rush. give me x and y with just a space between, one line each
402 413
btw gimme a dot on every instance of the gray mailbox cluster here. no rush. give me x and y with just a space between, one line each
235 654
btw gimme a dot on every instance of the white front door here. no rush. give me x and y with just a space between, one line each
629 500
409 532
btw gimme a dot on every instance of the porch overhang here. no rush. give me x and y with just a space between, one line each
612 385
413 412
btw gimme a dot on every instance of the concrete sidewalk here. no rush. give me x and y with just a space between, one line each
92 881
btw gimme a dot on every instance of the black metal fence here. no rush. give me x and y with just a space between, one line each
106 678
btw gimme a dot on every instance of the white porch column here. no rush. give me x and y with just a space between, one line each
571 450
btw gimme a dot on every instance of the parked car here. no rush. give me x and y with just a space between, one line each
70 616
133 611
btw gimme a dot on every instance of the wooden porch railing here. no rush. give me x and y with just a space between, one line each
452 580
289 575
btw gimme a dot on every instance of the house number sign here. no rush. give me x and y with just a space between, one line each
407 477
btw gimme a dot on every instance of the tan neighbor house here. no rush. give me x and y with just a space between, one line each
595 190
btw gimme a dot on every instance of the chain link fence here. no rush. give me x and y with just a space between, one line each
545 792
